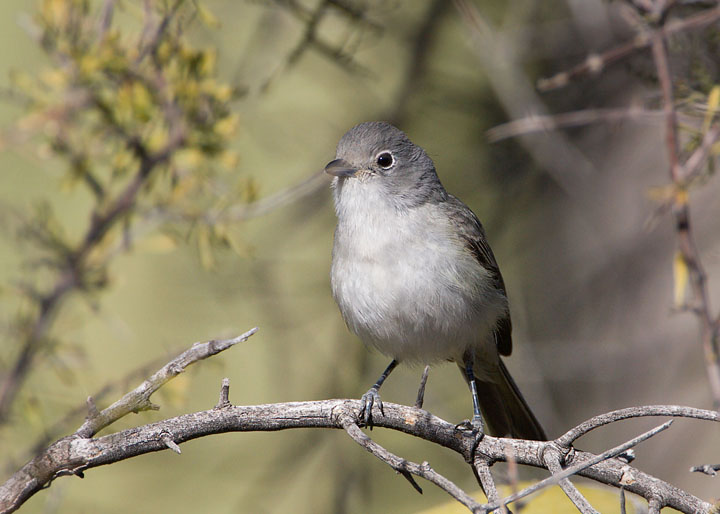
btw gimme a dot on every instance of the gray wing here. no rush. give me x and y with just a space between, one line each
472 232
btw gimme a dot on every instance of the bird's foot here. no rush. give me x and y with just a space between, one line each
472 428
372 397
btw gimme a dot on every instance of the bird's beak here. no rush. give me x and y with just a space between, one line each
340 168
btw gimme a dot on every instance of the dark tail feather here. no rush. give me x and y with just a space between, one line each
505 411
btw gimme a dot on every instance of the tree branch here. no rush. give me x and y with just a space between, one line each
139 399
74 454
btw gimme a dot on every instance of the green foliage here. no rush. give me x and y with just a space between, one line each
129 103
137 116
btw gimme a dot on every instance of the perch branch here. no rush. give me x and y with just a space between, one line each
75 454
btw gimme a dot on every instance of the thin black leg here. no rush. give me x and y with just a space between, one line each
477 421
372 396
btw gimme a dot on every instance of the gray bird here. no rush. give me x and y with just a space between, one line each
414 276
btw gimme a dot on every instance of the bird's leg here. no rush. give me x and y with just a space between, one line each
373 396
421 389
476 424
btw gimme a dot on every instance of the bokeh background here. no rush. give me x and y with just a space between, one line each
586 260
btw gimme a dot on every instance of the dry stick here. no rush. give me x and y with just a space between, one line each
552 458
681 211
304 188
481 467
536 123
708 469
569 437
596 62
139 398
572 470
654 506
694 164
405 467
53 432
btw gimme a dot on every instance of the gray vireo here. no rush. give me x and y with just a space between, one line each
414 276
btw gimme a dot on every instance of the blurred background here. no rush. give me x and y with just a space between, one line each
586 258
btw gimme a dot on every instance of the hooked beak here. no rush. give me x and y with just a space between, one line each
340 168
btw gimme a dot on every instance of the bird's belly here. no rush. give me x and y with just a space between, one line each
414 306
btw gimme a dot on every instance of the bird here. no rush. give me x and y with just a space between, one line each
415 278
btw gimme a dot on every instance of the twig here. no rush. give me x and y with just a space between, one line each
481 468
681 211
404 467
708 469
597 62
139 399
69 419
421 389
224 394
654 506
677 411
572 470
532 124
552 458
304 188
694 164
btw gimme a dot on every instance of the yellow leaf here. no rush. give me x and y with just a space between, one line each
207 17
680 276
229 159
712 107
158 138
158 243
226 127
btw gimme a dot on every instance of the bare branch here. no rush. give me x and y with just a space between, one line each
577 468
139 398
681 211
481 468
676 411
74 454
553 458
708 469
595 63
532 124
304 188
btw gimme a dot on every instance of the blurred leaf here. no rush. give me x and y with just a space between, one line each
207 17
203 241
712 107
680 276
158 243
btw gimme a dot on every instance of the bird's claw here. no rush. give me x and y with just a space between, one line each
372 397
472 428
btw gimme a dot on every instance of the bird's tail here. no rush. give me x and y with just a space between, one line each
504 409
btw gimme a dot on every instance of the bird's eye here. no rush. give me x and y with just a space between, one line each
385 160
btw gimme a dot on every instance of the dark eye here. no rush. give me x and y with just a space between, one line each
385 160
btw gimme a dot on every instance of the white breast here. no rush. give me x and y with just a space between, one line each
406 284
